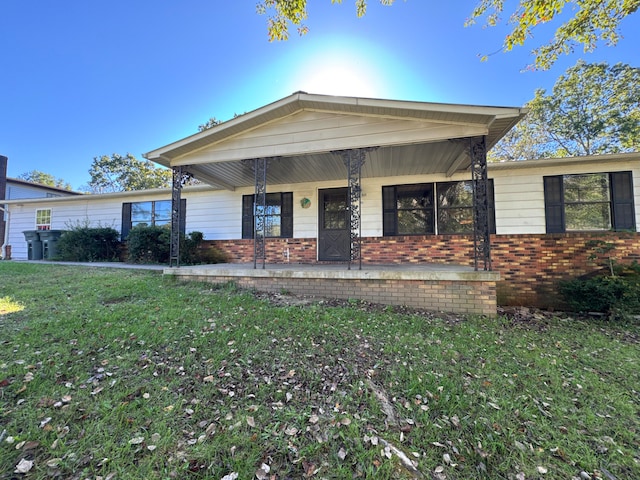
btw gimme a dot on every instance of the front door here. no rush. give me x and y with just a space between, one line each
334 232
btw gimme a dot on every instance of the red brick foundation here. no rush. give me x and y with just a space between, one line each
530 266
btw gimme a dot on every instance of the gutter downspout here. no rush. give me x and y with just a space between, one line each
3 250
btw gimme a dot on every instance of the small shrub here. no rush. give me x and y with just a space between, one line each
616 296
148 244
89 244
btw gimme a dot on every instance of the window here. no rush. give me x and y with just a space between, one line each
408 209
413 209
151 213
589 202
455 207
43 219
278 215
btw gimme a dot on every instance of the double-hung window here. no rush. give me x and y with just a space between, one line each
427 208
43 219
589 202
277 214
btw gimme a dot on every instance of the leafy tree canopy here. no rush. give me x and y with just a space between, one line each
592 109
36 176
591 21
117 173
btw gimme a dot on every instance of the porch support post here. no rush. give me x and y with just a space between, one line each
180 177
353 161
480 182
259 210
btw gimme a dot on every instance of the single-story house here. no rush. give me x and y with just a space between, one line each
376 199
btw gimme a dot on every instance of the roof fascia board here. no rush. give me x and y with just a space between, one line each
564 161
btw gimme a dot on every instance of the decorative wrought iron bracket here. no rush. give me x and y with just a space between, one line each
179 179
481 232
353 160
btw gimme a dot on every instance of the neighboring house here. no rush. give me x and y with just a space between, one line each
279 171
14 189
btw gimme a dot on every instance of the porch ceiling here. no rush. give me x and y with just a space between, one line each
299 132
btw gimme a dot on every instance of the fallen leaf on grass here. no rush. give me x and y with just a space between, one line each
136 440
263 472
251 422
53 462
23 466
230 476
342 454
291 431
314 419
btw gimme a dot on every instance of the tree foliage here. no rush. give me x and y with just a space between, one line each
592 109
36 176
212 122
593 21
117 173
294 12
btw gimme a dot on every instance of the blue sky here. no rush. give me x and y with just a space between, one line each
80 79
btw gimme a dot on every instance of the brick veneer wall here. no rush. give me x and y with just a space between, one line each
530 266
466 297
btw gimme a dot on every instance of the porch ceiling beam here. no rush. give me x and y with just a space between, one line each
457 163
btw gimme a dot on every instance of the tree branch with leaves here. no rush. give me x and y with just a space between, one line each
593 21
592 109
117 173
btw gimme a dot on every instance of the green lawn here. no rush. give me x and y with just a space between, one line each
117 374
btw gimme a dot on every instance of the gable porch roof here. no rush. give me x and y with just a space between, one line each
300 132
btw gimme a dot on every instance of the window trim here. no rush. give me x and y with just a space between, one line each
286 215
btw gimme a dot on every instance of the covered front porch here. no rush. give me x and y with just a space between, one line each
334 143
445 288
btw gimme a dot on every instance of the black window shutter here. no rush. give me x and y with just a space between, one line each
247 216
126 221
286 225
183 215
554 204
622 201
389 211
492 207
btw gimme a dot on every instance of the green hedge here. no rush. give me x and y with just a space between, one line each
146 244
87 244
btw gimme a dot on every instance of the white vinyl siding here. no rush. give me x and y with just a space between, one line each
519 203
312 131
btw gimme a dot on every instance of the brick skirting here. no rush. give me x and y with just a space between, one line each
464 292
530 266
